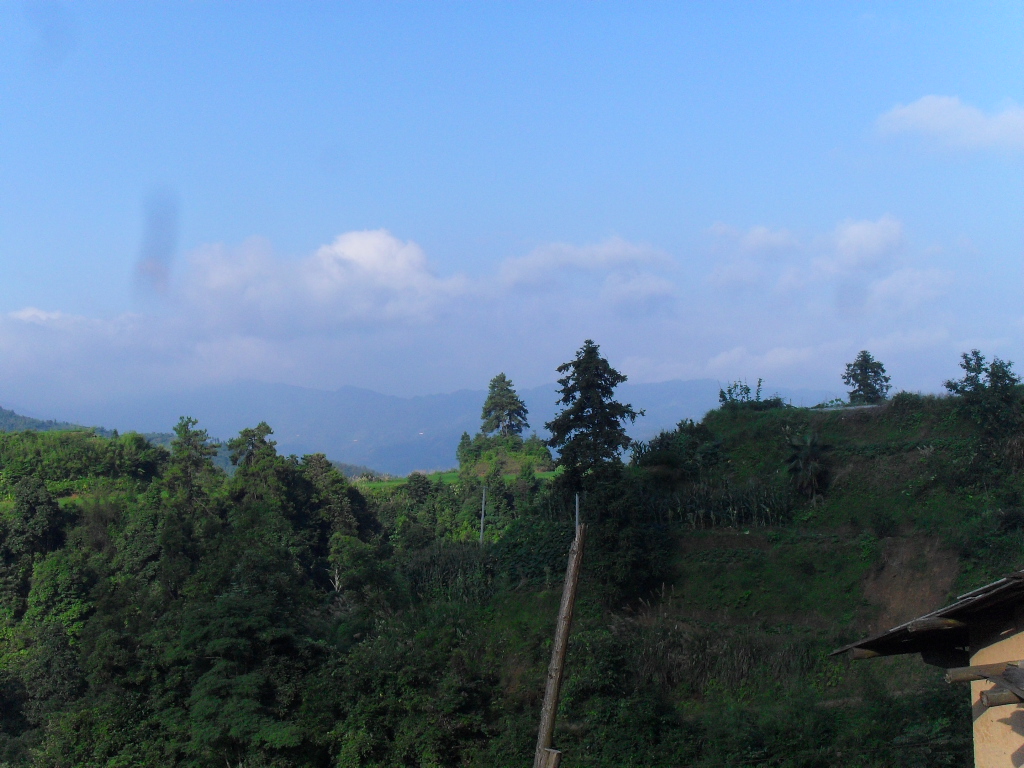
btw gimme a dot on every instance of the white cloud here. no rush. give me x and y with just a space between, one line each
762 239
366 308
39 316
361 278
769 361
779 260
862 245
371 279
40 321
372 259
914 339
756 240
808 301
737 272
370 309
749 258
544 265
637 290
908 288
951 123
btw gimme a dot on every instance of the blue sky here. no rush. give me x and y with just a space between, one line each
412 197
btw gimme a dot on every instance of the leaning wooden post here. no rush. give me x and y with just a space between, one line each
483 508
545 757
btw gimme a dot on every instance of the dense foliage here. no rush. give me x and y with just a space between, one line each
156 610
503 411
738 395
867 379
988 393
499 448
482 454
589 432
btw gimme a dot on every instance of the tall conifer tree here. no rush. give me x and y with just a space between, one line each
503 411
590 429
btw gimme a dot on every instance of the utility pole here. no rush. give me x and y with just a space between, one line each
483 507
545 756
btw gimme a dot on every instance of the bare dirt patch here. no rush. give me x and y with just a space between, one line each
914 576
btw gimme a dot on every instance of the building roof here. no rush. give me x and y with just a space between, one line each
943 636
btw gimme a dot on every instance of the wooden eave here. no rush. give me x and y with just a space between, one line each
943 636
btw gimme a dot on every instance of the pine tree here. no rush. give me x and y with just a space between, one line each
190 466
589 431
503 411
251 445
867 377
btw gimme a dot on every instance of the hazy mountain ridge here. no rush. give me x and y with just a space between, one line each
391 434
15 422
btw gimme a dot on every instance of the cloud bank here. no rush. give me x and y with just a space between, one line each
372 309
949 122
361 279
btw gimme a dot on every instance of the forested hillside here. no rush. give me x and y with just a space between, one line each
156 611
14 422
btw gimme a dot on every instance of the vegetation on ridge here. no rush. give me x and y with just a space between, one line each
156 611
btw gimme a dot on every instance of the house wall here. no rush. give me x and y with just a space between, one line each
998 731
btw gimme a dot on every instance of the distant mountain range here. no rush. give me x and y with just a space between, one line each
13 422
396 435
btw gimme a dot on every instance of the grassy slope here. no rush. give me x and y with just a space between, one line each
895 486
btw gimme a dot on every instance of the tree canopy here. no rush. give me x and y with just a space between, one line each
868 380
590 430
503 411
988 391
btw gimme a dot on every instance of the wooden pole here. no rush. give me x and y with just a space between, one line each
928 625
483 506
543 756
863 653
980 672
999 697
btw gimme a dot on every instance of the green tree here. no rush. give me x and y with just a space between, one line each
503 411
419 487
36 525
683 455
589 431
867 378
189 481
251 445
465 453
989 391
330 496
190 465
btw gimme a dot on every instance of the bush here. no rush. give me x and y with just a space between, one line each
738 396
